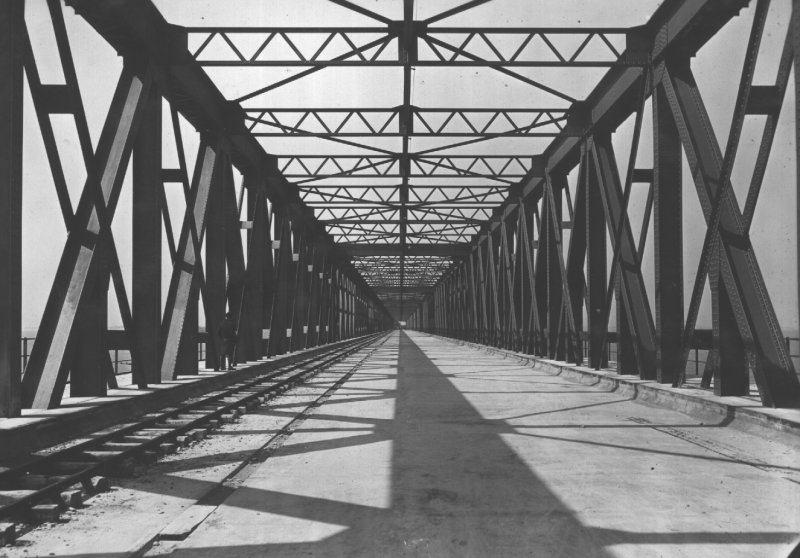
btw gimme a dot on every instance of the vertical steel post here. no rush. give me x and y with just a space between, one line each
91 364
742 278
668 240
146 291
188 363
635 325
325 300
323 306
576 258
251 321
510 303
492 270
299 309
528 319
282 292
626 352
472 290
540 281
215 262
553 273
339 306
179 323
314 282
731 373
268 279
596 267
80 265
794 30
12 38
351 308
234 253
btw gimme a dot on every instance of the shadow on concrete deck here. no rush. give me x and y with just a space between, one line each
456 487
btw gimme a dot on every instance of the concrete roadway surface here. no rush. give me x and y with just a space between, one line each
436 449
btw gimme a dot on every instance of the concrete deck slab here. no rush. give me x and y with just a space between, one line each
170 498
436 449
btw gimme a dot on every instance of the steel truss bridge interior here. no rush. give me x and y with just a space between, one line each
329 181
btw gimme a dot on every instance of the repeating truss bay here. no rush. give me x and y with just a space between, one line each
408 123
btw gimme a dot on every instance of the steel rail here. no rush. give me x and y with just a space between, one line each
45 477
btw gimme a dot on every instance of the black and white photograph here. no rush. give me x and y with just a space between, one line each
400 278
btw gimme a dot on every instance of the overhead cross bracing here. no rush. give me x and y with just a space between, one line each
508 175
430 165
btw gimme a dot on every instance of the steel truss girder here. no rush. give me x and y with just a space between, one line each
596 266
137 30
256 287
300 293
511 337
635 302
356 219
572 327
449 250
679 25
79 268
532 329
76 308
187 276
283 281
745 301
392 122
739 271
667 189
234 253
149 204
312 168
386 291
91 368
445 46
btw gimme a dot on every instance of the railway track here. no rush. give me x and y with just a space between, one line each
47 484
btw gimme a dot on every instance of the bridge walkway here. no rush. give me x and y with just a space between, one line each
434 448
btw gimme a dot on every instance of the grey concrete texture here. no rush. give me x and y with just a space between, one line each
436 449
126 520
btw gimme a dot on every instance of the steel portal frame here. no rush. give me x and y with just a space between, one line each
487 247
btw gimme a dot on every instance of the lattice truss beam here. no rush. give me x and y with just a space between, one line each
437 46
407 195
245 244
383 271
529 287
355 122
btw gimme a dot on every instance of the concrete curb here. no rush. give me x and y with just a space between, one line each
736 412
